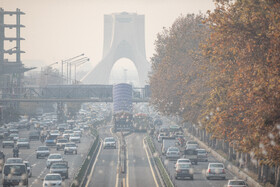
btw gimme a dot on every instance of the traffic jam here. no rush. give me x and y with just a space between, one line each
39 151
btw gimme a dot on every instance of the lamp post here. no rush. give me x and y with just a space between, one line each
47 70
78 63
66 62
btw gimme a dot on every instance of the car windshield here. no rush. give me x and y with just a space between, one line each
62 141
43 148
70 145
173 149
201 151
14 169
109 140
237 183
55 166
53 178
216 166
55 157
14 160
23 140
183 160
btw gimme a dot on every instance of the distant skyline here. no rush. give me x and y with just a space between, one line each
60 29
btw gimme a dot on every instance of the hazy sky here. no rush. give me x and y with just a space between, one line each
60 29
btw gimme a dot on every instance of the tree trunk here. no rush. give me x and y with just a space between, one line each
230 153
277 176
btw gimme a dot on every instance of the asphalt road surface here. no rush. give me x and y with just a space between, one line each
139 171
104 172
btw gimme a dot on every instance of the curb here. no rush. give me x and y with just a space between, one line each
240 174
155 168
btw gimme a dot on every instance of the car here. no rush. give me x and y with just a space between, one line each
184 170
191 142
173 153
53 158
110 142
75 138
61 168
28 168
160 136
14 136
202 155
34 135
60 144
192 146
237 183
215 170
14 174
52 179
191 154
51 140
70 147
8 142
182 160
14 160
42 151
2 160
23 142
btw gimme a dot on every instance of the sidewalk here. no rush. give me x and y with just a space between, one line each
239 173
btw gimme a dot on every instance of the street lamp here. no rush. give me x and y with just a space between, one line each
47 70
78 63
66 62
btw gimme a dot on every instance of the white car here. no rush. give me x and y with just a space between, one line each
52 179
215 170
237 183
53 158
173 153
23 142
109 142
75 138
28 168
182 160
70 148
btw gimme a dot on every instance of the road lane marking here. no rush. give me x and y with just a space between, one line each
93 166
118 169
127 167
145 147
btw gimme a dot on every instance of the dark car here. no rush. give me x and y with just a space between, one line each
34 135
2 160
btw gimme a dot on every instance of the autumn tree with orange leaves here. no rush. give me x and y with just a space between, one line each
233 88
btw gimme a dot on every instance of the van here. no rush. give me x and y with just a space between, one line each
166 143
14 174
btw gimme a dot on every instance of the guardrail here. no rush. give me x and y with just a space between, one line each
81 177
163 173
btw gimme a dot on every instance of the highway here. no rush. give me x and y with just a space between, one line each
199 172
39 169
104 173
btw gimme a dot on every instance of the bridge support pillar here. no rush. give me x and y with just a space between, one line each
60 112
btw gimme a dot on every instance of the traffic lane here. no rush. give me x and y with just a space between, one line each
39 169
138 171
199 175
74 162
199 172
105 169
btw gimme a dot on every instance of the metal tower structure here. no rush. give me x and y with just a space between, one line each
11 72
